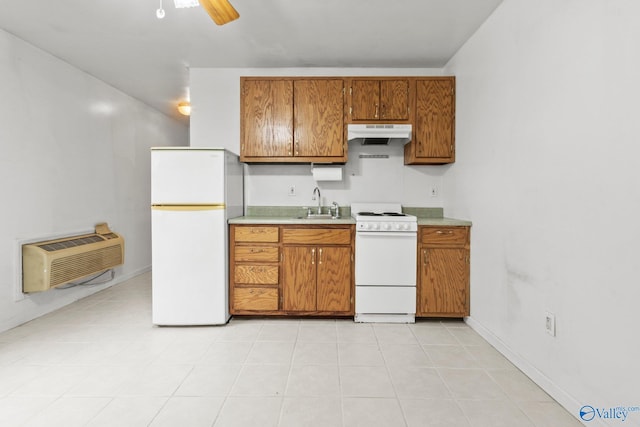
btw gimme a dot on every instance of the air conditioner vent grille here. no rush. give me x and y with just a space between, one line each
69 268
80 241
48 264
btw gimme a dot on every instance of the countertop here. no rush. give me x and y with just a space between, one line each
443 222
293 215
258 219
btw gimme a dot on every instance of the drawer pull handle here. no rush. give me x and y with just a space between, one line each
257 251
444 232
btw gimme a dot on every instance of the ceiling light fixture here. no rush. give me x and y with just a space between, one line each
184 108
220 11
160 12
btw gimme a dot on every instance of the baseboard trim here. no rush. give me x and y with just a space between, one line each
561 396
86 292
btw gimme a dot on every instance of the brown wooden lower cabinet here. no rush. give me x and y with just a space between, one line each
306 270
316 278
443 271
291 270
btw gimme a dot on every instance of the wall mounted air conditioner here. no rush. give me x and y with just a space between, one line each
52 263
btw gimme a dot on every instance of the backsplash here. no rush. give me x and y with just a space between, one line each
345 211
366 179
424 212
290 211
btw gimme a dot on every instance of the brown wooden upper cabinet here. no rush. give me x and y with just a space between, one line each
266 118
292 120
379 100
434 130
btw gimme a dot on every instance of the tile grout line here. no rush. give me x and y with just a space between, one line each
286 385
235 381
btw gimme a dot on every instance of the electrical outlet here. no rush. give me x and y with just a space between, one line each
434 191
292 190
550 324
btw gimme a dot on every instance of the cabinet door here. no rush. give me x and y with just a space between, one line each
267 118
299 278
319 119
443 281
379 99
394 99
365 100
334 278
434 118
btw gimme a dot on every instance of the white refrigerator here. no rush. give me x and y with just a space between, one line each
193 193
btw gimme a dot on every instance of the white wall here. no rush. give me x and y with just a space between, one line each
215 121
75 152
547 145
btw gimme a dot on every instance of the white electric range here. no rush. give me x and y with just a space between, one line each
385 263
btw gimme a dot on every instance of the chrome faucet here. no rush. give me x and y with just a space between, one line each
319 199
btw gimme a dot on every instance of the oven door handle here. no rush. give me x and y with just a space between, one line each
386 233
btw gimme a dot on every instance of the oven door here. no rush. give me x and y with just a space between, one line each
386 258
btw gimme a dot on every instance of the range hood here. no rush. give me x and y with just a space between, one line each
381 134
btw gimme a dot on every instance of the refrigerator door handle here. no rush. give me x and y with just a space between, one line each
188 207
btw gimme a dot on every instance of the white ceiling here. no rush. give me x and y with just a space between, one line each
123 43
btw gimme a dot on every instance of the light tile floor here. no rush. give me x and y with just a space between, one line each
100 362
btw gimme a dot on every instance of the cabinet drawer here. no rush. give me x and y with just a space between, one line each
256 234
441 236
255 299
307 236
256 274
256 253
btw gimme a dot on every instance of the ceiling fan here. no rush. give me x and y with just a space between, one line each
220 11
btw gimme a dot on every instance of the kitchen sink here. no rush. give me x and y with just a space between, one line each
316 216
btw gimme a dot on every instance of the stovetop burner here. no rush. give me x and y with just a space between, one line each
381 214
384 217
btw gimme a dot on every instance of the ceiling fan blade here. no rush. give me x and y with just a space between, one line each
220 11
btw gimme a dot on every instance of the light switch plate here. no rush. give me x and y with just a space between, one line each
550 324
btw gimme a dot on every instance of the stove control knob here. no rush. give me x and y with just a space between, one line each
386 226
374 226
